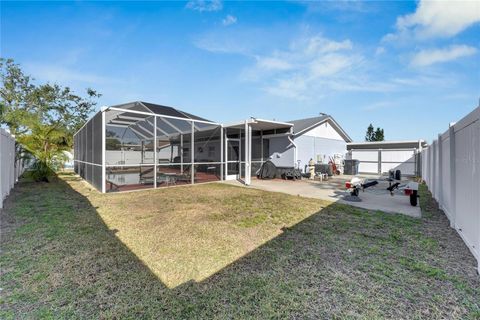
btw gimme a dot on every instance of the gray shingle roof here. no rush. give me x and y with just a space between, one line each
302 124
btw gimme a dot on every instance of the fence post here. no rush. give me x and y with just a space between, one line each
440 175
379 161
453 193
434 161
12 155
1 169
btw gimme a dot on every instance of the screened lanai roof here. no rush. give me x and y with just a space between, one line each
158 110
138 117
260 124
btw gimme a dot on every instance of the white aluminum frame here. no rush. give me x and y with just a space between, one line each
155 164
239 161
104 147
245 150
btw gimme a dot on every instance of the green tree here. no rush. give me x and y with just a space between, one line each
15 93
379 135
374 134
42 117
370 133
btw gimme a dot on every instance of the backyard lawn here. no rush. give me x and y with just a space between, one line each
220 251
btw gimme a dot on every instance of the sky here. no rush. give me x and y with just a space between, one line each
408 67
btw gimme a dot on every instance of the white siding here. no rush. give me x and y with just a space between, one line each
319 144
325 130
309 147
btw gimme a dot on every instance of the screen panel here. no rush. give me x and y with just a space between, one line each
207 143
129 178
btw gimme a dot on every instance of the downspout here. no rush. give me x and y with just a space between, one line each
289 137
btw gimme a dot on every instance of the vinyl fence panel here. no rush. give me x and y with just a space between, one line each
452 172
10 169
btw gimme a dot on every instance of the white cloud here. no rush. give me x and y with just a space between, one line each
428 57
229 20
436 18
311 68
273 63
307 69
294 87
330 64
204 5
379 51
317 44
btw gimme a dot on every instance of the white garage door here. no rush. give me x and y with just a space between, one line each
368 160
379 161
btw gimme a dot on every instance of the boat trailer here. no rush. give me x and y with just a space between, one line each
395 185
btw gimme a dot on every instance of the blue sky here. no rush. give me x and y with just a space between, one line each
409 67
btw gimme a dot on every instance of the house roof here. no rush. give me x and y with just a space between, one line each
303 125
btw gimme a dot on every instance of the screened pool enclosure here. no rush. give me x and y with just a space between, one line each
141 145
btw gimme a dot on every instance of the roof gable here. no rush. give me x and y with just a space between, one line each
302 126
308 123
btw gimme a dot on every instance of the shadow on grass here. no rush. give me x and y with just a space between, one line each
60 260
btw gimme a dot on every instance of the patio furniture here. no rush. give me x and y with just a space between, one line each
167 178
186 176
112 186
211 170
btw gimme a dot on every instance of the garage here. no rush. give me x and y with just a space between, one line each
380 157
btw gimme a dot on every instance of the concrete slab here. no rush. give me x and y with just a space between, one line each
373 198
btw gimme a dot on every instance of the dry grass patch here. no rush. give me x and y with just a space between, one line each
190 232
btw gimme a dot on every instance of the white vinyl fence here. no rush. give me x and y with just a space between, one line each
9 170
451 169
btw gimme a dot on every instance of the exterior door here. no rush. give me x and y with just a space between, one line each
233 152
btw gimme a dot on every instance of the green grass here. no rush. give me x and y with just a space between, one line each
219 251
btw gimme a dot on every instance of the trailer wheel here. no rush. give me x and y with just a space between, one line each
414 198
355 192
398 175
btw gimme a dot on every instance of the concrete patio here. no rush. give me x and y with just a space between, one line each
373 198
